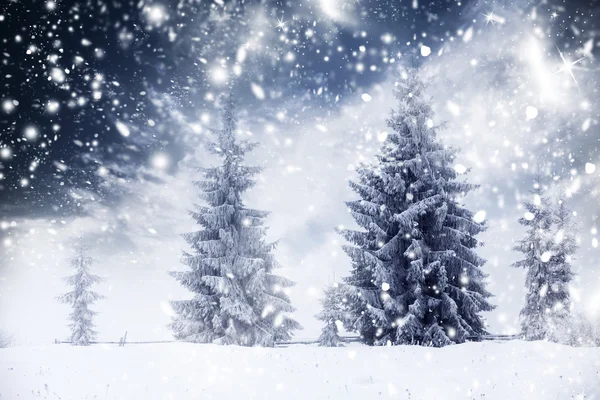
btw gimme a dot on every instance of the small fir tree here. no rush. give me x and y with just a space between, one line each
81 297
537 248
560 275
332 314
237 297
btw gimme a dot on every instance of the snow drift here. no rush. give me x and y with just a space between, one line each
487 370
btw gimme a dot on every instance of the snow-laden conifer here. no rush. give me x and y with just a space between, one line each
237 298
560 275
332 314
537 249
415 278
81 297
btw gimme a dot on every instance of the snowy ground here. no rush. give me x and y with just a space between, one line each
483 371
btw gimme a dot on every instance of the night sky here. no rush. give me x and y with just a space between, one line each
98 62
105 105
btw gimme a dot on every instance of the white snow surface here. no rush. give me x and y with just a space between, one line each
487 370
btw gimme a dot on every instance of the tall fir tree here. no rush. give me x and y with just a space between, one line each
415 277
560 275
537 248
237 297
81 297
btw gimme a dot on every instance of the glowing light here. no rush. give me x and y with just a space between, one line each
8 106
57 75
6 153
460 169
547 85
52 106
218 75
103 171
493 19
241 54
335 10
545 257
160 160
290 57
122 128
280 23
258 91
366 97
387 38
531 112
590 168
568 66
382 136
31 133
156 14
330 8
479 216
453 108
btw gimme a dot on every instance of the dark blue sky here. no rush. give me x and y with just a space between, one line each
70 70
120 41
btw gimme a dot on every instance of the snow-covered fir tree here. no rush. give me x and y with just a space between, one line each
537 248
415 277
332 314
81 297
237 298
560 275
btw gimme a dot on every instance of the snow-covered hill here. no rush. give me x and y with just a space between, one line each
180 371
